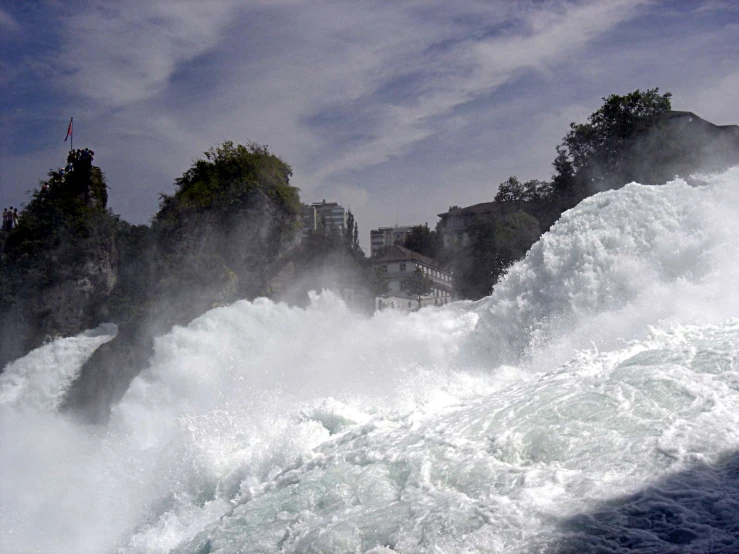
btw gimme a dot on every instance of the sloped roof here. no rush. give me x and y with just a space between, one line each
476 209
675 114
397 253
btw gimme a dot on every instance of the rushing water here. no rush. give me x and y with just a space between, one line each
591 402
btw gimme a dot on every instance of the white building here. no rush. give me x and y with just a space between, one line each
398 265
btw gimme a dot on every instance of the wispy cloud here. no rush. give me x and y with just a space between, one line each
479 67
422 103
7 23
121 52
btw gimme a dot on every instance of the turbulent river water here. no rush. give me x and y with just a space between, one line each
590 404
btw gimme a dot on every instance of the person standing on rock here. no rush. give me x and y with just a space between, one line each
8 220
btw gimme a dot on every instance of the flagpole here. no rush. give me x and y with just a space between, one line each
71 123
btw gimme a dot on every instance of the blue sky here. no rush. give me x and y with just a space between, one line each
396 109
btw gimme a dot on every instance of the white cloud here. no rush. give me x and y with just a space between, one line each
7 23
548 37
355 95
121 52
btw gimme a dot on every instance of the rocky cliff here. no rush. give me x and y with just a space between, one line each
59 265
217 239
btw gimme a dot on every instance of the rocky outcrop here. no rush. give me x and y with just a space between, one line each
76 295
57 268
216 240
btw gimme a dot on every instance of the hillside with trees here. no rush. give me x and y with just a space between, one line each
58 266
634 137
229 231
216 239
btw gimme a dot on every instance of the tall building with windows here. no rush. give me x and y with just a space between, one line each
330 215
384 237
309 217
322 214
398 265
455 224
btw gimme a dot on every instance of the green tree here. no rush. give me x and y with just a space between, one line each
535 190
511 190
351 233
495 244
223 229
65 238
422 240
600 154
418 285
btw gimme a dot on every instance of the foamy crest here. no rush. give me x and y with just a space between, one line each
264 428
38 381
618 262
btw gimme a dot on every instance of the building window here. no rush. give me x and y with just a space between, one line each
402 267
383 268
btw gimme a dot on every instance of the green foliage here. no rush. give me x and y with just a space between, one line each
236 193
513 191
419 284
64 244
424 241
351 233
600 154
225 182
495 244
510 190
612 148
57 230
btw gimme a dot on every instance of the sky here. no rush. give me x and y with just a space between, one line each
395 109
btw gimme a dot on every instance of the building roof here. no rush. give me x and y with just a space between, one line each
475 209
691 117
397 253
324 204
395 228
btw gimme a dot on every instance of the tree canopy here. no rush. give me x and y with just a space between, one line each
423 240
609 150
495 244
418 285
599 154
226 181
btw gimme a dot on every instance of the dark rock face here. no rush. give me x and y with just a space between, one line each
72 303
691 144
60 288
108 373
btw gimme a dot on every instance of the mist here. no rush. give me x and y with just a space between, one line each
604 360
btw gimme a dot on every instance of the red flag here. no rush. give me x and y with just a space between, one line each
69 129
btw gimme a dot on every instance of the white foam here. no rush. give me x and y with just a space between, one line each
38 381
261 427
